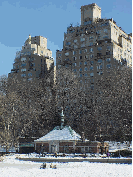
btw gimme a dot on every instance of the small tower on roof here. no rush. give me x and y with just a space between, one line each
62 119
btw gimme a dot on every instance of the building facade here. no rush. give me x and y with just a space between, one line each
31 78
66 140
33 62
96 48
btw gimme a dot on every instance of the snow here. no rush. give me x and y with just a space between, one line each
12 167
60 134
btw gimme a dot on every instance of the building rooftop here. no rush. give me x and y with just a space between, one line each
66 133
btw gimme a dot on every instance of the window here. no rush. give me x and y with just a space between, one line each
29 79
80 57
80 63
85 63
99 67
105 30
23 69
91 68
23 75
23 64
86 56
29 74
91 56
59 54
80 75
80 51
88 22
91 74
68 43
82 45
108 53
41 52
108 47
75 46
67 65
59 66
99 48
31 59
59 61
23 59
74 70
85 50
85 69
91 80
91 44
74 64
91 62
91 37
85 75
98 32
74 52
91 49
66 54
105 37
82 39
100 73
100 61
108 66
75 41
74 58
92 87
31 64
80 69
108 59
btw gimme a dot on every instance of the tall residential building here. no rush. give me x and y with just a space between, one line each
32 77
33 62
93 49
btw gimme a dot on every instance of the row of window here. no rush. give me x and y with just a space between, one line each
23 59
83 44
24 75
108 66
30 59
86 75
85 50
86 69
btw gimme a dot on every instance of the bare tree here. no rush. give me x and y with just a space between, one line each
113 104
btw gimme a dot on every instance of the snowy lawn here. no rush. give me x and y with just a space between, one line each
12 167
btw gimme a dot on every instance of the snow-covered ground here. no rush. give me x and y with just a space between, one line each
12 167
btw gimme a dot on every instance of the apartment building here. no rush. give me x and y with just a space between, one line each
32 66
33 62
93 49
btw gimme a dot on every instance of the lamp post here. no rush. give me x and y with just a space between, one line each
62 119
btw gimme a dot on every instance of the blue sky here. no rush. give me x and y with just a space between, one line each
50 19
